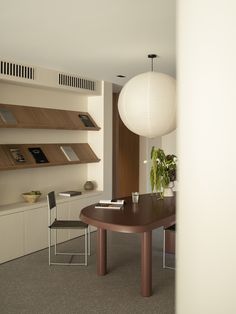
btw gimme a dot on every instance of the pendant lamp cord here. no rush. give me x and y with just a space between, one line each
152 56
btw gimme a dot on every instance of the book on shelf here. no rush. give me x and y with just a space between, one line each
7 116
86 121
69 193
38 155
17 155
110 204
69 153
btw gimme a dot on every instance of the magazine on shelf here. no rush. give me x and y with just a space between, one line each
38 155
69 193
110 204
69 153
7 116
86 121
17 155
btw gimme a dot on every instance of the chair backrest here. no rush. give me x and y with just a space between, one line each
51 200
51 205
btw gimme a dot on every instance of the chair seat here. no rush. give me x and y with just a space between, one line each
63 224
59 224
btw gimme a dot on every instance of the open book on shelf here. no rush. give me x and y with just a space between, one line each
69 153
110 204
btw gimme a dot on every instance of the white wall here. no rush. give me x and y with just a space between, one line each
168 143
143 168
14 182
107 147
101 108
206 233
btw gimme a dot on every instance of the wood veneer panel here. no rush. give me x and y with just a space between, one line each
59 120
1 122
125 156
75 121
6 149
84 152
36 117
23 115
53 153
40 117
5 161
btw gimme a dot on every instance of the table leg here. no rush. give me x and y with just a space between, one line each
146 264
101 252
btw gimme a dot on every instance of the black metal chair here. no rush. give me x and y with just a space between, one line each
64 224
168 235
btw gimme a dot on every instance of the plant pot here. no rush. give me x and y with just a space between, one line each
168 191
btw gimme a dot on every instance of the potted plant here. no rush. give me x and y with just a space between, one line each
163 172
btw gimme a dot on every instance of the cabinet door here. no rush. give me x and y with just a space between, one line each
36 229
11 237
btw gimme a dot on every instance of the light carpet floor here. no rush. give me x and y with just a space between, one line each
29 286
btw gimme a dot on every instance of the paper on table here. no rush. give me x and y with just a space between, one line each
112 202
109 205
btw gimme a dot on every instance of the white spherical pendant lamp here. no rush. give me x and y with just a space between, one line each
147 104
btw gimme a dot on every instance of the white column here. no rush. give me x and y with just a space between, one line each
100 107
206 221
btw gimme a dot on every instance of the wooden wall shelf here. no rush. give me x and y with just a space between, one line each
14 116
20 156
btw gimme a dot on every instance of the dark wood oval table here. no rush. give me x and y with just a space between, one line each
148 214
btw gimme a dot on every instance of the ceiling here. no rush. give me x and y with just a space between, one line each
97 39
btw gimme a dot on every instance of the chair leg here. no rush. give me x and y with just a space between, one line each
89 241
86 246
55 244
164 250
86 249
49 246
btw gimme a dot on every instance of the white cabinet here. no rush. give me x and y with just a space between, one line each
35 229
24 227
11 237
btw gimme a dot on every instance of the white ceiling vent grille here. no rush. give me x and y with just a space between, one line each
14 72
11 69
76 82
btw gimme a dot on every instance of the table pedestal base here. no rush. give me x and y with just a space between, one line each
146 264
101 252
146 259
